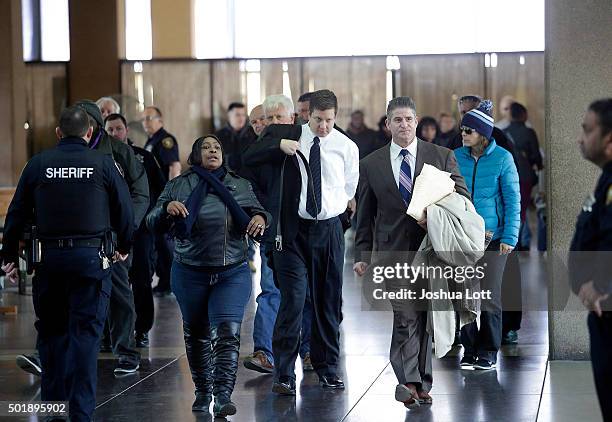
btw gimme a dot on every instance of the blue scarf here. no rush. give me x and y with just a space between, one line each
209 180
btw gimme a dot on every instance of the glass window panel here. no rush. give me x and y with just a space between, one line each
388 27
214 29
54 30
138 36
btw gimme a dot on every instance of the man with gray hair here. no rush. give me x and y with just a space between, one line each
277 109
108 106
386 177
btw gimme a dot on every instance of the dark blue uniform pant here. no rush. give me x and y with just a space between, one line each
600 330
314 259
71 294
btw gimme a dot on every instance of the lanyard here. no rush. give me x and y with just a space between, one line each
95 143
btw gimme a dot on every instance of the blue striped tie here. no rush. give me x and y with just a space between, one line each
405 180
314 161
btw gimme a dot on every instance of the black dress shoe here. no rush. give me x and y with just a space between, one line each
332 382
285 386
142 339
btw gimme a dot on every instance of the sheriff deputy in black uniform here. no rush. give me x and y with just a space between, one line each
590 261
74 196
164 147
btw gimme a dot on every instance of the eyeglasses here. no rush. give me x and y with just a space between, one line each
150 118
467 130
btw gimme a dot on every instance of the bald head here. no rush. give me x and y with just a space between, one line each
504 106
257 119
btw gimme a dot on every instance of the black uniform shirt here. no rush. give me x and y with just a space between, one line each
594 236
155 177
69 191
164 148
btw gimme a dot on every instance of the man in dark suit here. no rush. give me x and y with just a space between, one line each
306 199
385 189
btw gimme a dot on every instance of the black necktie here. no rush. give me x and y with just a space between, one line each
314 162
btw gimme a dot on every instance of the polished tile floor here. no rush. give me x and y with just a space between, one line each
525 387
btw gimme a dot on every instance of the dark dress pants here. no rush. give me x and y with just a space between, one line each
71 295
121 314
485 342
314 258
512 294
141 276
600 330
410 353
164 246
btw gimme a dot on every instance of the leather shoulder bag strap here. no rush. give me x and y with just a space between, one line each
279 236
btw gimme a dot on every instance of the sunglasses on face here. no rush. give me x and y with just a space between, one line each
467 130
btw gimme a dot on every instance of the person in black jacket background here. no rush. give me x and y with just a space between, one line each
236 136
143 259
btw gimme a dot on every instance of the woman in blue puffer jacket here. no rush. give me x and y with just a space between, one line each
492 179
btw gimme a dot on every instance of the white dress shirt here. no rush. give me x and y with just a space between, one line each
396 159
339 172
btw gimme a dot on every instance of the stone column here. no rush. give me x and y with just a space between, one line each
578 71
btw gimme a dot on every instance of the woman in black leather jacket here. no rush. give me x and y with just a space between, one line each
210 211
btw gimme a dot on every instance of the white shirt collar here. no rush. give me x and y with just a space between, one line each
311 135
412 149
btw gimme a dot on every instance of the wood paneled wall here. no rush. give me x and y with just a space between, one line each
194 94
180 90
45 98
434 82
524 82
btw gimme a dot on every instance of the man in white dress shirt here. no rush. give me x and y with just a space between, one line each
309 240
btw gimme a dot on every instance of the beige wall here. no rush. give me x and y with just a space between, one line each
93 70
45 85
12 94
194 94
171 25
359 83
182 93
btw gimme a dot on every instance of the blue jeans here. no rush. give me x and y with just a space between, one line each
211 298
267 308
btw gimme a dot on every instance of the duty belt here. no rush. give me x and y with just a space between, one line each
71 243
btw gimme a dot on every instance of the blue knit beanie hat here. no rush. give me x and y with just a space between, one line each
480 119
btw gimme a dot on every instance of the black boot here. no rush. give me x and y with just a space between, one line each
226 345
199 355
